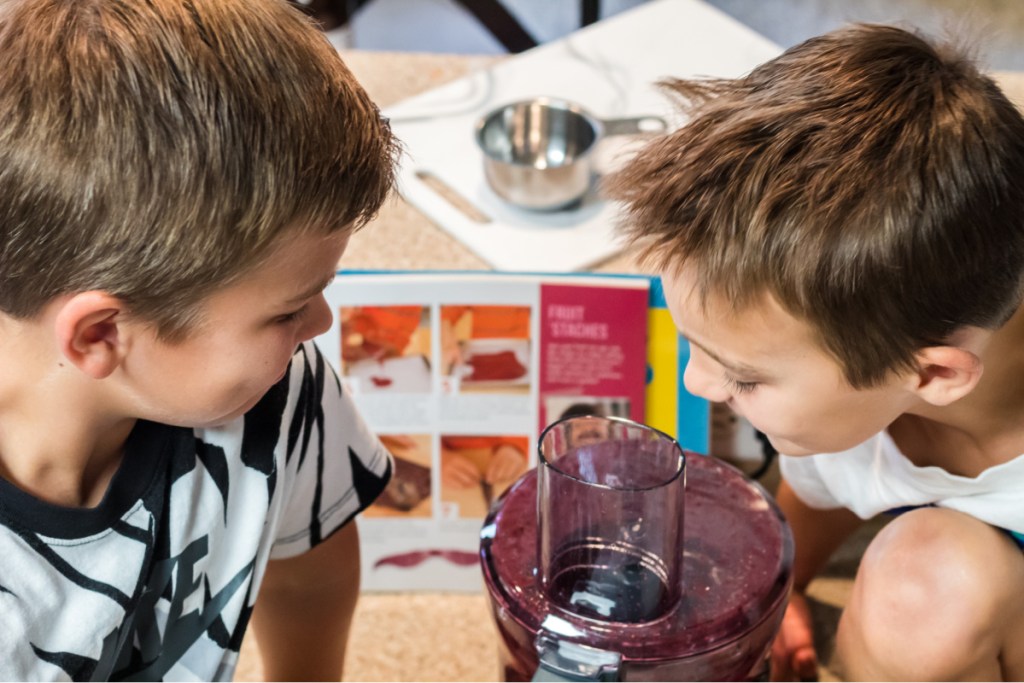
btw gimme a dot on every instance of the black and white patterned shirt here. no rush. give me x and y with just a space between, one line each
158 581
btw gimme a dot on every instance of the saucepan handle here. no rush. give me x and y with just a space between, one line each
634 125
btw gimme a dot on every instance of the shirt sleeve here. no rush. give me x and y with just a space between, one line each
333 465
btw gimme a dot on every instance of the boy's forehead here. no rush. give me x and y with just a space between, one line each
684 287
761 328
686 300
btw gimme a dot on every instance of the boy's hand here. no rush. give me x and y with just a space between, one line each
506 463
458 471
355 347
793 655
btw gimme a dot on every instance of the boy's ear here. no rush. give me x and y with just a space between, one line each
89 330
945 374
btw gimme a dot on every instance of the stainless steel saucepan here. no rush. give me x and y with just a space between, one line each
537 153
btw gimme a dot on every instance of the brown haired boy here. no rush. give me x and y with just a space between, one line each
178 179
841 236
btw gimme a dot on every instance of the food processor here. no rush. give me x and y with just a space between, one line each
620 557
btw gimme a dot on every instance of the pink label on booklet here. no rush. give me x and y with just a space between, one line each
593 351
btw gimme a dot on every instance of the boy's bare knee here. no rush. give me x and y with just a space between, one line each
932 599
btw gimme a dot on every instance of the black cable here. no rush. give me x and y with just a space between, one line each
768 452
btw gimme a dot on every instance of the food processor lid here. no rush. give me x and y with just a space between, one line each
737 564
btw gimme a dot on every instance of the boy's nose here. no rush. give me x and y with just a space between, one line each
318 321
700 381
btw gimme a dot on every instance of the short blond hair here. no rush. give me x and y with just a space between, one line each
156 149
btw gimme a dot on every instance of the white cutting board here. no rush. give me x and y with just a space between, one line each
610 69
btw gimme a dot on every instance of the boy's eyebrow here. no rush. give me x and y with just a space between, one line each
312 291
737 368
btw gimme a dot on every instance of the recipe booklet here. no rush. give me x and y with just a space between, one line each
460 372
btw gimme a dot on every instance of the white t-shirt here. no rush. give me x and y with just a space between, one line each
159 580
876 477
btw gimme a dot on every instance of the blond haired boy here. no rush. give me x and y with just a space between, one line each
178 179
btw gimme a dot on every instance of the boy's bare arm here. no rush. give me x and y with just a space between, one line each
304 610
817 533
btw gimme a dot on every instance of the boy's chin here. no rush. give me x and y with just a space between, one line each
215 421
797 450
790 448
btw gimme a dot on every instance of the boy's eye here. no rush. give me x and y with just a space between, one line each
290 317
741 387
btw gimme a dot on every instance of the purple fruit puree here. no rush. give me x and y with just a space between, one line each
737 556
